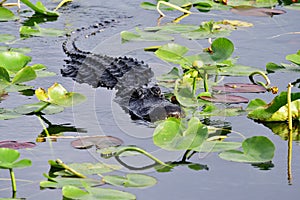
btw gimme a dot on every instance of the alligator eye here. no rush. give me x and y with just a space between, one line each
156 91
138 94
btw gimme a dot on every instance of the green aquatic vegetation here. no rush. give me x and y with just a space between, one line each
73 192
257 149
36 30
276 110
16 145
294 67
6 37
40 8
99 141
9 160
130 180
13 61
6 15
179 134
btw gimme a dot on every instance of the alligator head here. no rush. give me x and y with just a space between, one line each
150 105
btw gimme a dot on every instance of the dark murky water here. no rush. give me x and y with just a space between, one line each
256 46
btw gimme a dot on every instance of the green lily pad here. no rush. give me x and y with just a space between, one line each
6 14
8 114
130 180
144 36
295 58
257 149
73 192
41 71
58 95
222 48
172 52
6 37
89 168
176 134
9 157
36 30
282 130
100 141
24 75
218 146
40 8
277 109
13 61
61 182
31 108
253 11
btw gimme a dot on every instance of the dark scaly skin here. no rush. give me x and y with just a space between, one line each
128 76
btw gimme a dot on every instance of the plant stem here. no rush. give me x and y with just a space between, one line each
263 75
142 152
42 108
205 82
13 180
172 6
290 117
58 161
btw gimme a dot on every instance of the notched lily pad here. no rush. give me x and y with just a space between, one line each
130 180
253 11
16 145
239 88
225 98
99 141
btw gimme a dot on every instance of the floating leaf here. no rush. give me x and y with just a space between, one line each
31 108
295 58
172 52
239 88
277 109
6 37
13 61
41 71
8 114
257 149
72 192
24 75
9 157
36 30
225 98
16 145
218 146
144 36
58 95
253 11
222 48
40 8
61 182
99 141
6 14
130 180
176 134
282 130
89 168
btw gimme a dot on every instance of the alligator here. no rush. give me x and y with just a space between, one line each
128 76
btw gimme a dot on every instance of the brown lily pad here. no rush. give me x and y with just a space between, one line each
99 141
239 88
253 11
224 98
16 145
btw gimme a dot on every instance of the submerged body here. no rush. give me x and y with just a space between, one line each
128 76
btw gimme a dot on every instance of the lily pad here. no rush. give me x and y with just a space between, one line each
144 36
218 146
31 108
277 109
36 30
6 14
257 149
176 134
253 11
282 130
222 48
61 182
8 114
130 180
13 61
239 88
73 192
9 157
16 145
89 168
172 52
58 95
295 58
99 141
6 37
40 8
225 98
